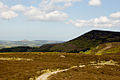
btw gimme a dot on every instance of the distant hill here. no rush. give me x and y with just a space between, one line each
83 43
34 43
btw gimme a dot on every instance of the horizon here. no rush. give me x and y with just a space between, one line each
58 20
58 40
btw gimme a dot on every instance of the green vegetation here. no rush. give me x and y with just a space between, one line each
106 48
113 50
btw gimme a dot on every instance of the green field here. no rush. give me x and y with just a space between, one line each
24 66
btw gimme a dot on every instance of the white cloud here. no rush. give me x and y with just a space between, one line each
31 11
36 14
3 7
115 15
8 15
58 1
49 6
94 2
47 11
102 21
41 13
68 4
18 7
53 5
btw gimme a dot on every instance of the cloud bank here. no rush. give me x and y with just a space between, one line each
52 10
113 20
47 10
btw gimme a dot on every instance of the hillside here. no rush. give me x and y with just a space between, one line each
87 41
106 48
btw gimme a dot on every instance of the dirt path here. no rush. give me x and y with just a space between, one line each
45 76
107 47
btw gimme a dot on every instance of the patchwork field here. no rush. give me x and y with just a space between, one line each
30 65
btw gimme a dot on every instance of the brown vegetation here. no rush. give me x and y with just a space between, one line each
23 69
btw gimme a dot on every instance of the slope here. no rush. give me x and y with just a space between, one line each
87 41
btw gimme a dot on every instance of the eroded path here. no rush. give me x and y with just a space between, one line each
108 46
47 74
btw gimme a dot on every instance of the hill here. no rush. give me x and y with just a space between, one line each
87 41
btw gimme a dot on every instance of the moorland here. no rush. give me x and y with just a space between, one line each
30 65
92 56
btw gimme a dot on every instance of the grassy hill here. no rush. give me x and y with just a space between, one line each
87 41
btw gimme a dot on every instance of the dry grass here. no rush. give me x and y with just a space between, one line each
108 69
24 70
89 73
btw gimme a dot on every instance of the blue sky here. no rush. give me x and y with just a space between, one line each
56 19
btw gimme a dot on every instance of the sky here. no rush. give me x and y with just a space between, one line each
60 20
